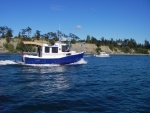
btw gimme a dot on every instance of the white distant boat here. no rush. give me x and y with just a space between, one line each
102 54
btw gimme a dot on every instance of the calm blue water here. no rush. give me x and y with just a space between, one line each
115 84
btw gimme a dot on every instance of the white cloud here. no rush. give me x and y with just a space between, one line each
78 27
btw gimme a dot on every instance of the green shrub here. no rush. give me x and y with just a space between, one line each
73 41
98 50
9 47
115 50
111 47
127 49
143 51
19 46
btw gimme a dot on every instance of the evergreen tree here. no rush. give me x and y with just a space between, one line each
9 33
38 34
147 44
3 31
88 40
28 30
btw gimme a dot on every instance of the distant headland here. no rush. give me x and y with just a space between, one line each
91 45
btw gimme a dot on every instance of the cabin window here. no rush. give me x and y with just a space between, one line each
54 49
46 49
63 48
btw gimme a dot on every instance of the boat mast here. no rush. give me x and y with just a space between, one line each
59 32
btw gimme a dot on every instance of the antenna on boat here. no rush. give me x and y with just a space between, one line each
59 32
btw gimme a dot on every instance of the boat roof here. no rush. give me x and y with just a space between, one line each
32 43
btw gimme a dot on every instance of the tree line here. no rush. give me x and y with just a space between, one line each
125 45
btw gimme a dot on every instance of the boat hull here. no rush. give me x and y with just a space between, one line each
64 60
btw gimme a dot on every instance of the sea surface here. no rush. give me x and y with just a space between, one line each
117 84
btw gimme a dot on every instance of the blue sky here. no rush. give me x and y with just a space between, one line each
117 19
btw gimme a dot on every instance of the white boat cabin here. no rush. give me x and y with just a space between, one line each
57 50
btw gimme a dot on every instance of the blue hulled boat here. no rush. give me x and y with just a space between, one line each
58 53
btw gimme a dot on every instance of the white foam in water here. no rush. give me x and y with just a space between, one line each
7 62
82 61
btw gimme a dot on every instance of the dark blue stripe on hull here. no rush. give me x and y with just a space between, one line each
65 60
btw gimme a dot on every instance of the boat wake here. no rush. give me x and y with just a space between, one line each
42 65
82 61
14 62
9 62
